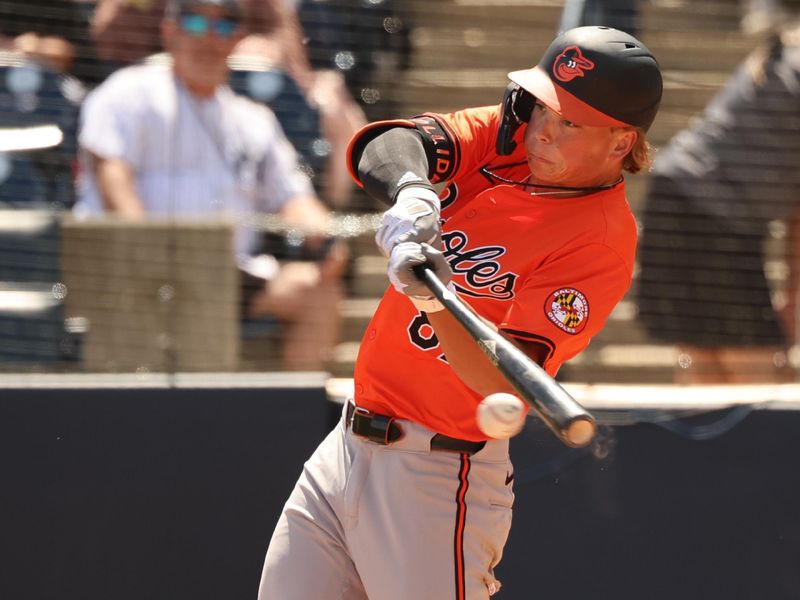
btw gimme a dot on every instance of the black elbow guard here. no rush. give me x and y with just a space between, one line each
393 160
387 158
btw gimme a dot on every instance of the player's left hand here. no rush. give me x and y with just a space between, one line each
413 218
408 255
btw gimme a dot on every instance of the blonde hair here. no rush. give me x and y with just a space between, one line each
639 158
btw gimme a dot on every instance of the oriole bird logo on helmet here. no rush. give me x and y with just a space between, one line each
571 63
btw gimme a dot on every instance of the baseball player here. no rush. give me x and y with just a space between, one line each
406 497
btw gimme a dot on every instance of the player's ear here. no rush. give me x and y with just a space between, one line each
624 141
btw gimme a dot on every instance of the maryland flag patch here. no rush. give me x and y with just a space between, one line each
568 309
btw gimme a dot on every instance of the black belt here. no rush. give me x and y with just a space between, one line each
384 430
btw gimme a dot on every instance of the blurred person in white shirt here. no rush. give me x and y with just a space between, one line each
175 141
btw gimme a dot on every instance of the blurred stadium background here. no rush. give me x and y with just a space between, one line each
155 306
171 303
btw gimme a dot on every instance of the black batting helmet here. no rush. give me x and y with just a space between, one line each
596 76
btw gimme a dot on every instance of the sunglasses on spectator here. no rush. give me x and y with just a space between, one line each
198 25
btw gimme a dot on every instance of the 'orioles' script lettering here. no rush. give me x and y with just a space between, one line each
481 272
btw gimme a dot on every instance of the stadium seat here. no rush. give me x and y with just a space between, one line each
29 246
39 112
33 329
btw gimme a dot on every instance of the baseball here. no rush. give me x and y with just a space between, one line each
500 415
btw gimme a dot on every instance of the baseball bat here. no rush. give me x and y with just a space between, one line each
565 417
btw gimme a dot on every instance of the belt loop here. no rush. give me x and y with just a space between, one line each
381 429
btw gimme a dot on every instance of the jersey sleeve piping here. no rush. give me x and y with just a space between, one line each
533 337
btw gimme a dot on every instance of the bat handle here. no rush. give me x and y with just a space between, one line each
425 274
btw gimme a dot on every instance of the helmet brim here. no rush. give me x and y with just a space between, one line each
538 83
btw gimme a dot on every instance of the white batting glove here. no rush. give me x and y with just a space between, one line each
413 218
407 255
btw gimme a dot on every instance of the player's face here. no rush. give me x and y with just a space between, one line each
200 42
561 152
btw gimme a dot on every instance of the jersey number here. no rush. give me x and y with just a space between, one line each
422 335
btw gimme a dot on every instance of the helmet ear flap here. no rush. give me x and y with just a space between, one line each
517 109
523 104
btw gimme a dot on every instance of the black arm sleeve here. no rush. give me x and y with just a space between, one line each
391 161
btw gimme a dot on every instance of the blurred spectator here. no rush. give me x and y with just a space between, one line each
367 41
167 141
759 16
55 34
717 189
38 128
46 54
126 31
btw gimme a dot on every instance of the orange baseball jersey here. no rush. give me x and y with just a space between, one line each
542 268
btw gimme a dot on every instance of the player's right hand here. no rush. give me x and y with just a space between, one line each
405 257
413 218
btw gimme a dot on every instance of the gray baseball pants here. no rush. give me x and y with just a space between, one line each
392 522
